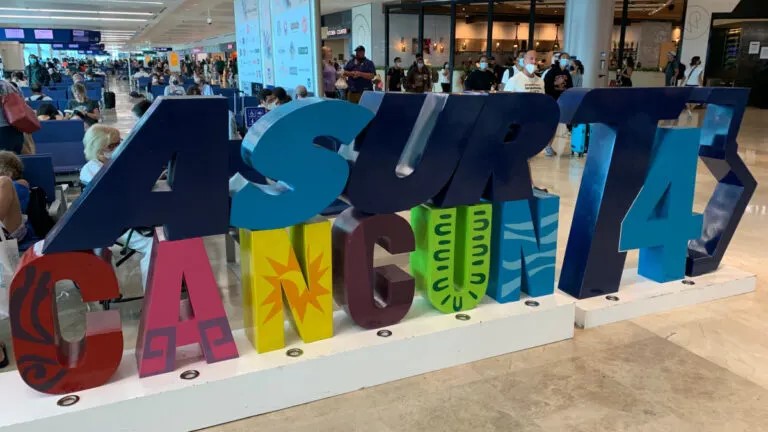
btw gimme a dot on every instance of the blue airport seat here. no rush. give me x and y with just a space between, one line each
93 94
26 92
35 105
38 171
158 90
56 94
142 82
216 89
63 140
62 104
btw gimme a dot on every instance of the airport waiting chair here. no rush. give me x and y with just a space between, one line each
63 140
93 94
26 91
38 171
56 94
158 90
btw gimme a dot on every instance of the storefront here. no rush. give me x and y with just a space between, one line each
460 32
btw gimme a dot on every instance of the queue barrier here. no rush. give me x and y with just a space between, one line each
63 140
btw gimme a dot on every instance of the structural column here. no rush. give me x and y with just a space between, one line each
591 44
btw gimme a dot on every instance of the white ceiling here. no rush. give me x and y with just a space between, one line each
139 23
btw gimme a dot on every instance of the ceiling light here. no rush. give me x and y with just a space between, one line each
136 2
73 11
53 17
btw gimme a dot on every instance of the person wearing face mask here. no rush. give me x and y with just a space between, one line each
480 79
526 81
556 81
37 73
444 78
359 73
558 78
396 76
174 88
419 78
100 143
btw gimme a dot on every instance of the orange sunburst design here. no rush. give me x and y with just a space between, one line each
289 280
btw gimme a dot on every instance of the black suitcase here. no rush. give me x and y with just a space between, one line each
109 100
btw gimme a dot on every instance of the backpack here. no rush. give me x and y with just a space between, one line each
680 71
37 212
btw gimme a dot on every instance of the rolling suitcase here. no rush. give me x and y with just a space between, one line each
580 140
109 100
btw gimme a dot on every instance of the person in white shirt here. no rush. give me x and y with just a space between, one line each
694 76
174 88
140 74
100 142
514 70
526 81
37 94
444 78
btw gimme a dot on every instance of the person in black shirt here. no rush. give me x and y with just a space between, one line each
481 79
395 76
498 70
556 81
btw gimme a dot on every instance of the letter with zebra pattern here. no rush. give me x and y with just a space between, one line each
524 248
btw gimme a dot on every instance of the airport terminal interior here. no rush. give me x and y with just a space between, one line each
678 361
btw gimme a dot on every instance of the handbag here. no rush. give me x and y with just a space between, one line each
9 260
19 114
341 84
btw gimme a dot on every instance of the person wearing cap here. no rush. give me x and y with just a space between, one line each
359 73
671 70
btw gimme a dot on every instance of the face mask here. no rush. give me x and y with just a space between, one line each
420 65
563 63
483 65
530 68
398 64
108 154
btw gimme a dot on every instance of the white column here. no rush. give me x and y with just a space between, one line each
588 28
697 26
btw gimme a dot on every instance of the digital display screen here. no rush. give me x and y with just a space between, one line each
14 33
79 36
43 34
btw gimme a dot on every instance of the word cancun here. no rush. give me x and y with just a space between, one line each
459 163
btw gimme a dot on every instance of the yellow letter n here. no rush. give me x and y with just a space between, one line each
287 267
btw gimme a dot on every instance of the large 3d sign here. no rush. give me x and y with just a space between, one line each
459 163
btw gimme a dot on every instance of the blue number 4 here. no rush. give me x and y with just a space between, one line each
660 222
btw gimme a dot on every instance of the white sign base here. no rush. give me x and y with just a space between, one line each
255 383
639 297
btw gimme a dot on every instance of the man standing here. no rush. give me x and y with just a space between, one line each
671 71
36 73
498 70
396 76
481 79
419 78
220 66
526 81
359 73
556 81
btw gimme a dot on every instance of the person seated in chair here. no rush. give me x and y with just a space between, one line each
100 142
37 94
49 112
14 198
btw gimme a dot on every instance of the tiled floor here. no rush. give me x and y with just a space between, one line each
702 368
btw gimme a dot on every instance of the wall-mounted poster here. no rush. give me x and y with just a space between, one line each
294 41
248 34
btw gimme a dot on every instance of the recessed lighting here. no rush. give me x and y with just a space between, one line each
73 11
136 2
53 17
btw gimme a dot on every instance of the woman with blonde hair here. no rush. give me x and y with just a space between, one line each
100 143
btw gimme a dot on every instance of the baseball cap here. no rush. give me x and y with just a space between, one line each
672 53
360 48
